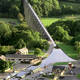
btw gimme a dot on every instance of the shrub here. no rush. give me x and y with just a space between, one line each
37 51
20 17
5 32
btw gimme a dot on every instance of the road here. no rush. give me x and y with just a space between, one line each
36 75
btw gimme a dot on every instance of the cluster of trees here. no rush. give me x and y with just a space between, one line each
69 8
44 8
66 31
20 36
51 8
10 8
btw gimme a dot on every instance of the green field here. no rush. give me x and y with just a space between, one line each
48 21
9 20
68 49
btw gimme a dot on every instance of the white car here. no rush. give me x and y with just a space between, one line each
8 77
21 75
14 79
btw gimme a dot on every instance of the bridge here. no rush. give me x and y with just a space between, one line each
34 22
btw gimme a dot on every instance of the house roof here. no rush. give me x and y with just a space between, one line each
20 56
23 50
2 57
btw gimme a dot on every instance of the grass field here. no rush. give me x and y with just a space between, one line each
48 21
9 20
68 49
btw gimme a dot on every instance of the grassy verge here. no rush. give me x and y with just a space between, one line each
10 20
60 63
78 76
68 49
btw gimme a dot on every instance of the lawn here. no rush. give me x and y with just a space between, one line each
10 20
48 21
68 49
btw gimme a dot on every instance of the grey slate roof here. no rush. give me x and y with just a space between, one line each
20 56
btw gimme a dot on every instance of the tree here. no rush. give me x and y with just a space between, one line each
20 44
3 65
37 51
4 28
60 34
56 4
5 32
77 46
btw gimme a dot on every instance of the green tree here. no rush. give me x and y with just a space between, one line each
60 34
5 32
3 65
77 46
37 51
56 4
20 44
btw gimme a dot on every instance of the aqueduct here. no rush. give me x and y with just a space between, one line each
34 22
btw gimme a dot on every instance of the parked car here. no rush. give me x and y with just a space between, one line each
7 78
21 75
41 78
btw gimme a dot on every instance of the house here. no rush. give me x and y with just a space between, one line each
2 57
22 51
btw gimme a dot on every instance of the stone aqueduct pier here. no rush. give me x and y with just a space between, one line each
34 22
